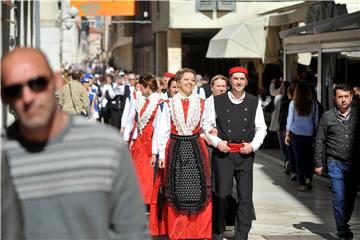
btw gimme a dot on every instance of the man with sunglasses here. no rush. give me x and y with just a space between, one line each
74 178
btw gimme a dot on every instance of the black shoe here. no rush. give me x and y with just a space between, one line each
217 236
348 234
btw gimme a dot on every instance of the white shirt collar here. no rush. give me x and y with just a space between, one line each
235 100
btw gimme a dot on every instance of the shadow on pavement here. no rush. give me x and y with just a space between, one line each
318 200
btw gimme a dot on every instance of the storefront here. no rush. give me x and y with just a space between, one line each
333 45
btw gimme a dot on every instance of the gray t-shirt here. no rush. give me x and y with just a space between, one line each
79 185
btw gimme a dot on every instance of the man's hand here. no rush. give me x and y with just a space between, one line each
223 147
122 131
318 170
161 163
246 149
153 160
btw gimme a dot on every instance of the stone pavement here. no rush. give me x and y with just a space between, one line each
286 214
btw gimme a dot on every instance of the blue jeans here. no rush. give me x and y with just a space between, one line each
344 192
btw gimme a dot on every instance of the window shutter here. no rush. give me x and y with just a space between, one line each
205 5
225 5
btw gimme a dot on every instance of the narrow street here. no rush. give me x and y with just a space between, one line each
284 213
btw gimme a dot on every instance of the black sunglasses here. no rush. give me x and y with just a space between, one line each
37 84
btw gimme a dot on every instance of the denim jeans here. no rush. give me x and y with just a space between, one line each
304 156
344 192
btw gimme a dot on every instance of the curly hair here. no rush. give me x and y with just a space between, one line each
179 74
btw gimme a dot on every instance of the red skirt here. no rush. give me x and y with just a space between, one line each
175 225
141 152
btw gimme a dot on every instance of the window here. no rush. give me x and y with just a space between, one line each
215 5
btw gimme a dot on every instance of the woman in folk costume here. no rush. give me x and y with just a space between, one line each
135 95
181 203
142 149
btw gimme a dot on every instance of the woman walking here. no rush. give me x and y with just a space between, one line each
142 149
302 121
181 205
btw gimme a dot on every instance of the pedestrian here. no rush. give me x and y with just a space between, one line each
275 123
301 125
116 96
143 151
172 88
167 76
218 86
241 128
181 203
74 177
356 96
73 97
290 164
88 81
335 149
135 95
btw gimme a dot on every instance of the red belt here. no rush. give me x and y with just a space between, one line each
235 147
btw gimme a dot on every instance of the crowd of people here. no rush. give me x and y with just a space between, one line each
83 157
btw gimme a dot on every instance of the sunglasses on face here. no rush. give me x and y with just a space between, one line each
36 85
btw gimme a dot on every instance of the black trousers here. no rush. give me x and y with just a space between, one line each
115 116
225 167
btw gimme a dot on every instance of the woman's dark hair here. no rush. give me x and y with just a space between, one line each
284 88
303 99
171 80
149 80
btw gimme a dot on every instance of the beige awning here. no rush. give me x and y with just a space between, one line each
245 40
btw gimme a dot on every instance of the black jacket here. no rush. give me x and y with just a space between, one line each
337 139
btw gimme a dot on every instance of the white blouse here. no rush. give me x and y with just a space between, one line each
171 111
136 106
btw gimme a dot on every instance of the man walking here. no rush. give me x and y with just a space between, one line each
74 97
241 127
335 148
73 177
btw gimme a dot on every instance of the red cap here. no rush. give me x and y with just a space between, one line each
238 69
169 75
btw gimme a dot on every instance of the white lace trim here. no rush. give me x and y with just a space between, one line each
143 120
193 114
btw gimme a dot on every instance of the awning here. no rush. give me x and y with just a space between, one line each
245 40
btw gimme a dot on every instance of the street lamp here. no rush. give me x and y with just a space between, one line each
68 23
72 12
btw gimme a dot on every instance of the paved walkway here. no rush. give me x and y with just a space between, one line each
284 213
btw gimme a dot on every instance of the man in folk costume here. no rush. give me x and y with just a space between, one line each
241 130
181 206
143 113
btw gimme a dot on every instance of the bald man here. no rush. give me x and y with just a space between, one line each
73 177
